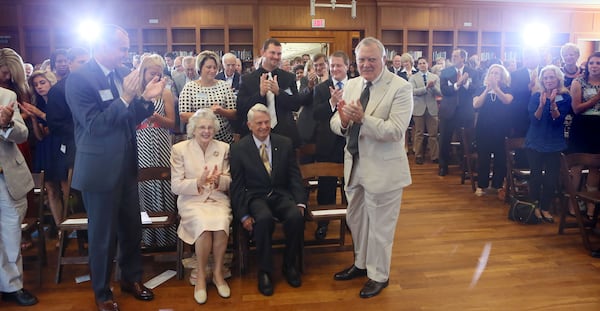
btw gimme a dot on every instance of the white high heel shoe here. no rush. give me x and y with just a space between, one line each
223 290
200 295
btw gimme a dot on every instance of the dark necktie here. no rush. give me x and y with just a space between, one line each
354 130
113 85
425 79
340 85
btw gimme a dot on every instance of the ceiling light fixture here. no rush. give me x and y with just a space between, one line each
333 5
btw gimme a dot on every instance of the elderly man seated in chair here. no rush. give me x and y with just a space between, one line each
266 184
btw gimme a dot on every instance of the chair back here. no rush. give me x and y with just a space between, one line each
312 171
573 172
516 172
37 196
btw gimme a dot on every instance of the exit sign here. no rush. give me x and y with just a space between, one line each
318 23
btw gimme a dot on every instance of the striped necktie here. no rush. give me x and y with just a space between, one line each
265 158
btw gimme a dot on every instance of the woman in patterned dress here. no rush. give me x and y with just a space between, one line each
583 136
207 92
154 148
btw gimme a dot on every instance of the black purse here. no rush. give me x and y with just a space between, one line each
523 212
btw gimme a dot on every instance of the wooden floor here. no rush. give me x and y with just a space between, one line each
442 232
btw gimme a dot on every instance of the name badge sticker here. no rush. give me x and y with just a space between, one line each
106 95
202 96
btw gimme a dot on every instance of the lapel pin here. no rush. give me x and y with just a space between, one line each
216 153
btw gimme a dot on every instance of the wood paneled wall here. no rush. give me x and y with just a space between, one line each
265 16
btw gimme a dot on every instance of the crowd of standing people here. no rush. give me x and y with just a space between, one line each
90 115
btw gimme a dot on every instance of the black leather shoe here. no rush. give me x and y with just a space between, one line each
596 253
436 161
292 276
138 290
372 288
107 305
419 160
350 273
321 232
265 286
22 297
443 171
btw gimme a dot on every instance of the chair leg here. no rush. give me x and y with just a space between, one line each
179 259
61 253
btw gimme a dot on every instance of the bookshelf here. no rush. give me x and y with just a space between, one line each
212 39
442 44
183 41
154 40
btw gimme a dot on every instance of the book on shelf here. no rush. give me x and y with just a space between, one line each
438 54
245 55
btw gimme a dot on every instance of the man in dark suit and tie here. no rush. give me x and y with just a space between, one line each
103 99
274 88
456 109
329 146
229 74
522 82
266 183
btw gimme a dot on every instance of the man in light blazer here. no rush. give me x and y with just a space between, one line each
102 96
15 182
426 87
375 162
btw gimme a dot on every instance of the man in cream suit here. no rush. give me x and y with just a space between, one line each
373 116
15 182
426 87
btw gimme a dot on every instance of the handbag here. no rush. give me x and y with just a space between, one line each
523 212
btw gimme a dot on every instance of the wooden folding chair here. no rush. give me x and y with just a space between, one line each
469 161
517 174
573 171
162 219
33 223
331 212
72 221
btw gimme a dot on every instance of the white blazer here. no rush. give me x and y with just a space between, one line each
384 164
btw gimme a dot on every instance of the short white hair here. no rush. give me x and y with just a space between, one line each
201 114
257 108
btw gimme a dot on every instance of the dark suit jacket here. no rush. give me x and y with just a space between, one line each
236 79
60 120
519 85
306 122
457 103
250 180
403 74
286 102
329 146
104 129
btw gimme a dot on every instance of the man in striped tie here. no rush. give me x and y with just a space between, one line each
266 184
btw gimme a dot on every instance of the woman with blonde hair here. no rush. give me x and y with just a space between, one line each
12 77
545 138
492 127
408 68
41 82
200 176
208 92
154 148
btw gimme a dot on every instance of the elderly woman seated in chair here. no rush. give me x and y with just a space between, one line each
200 176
